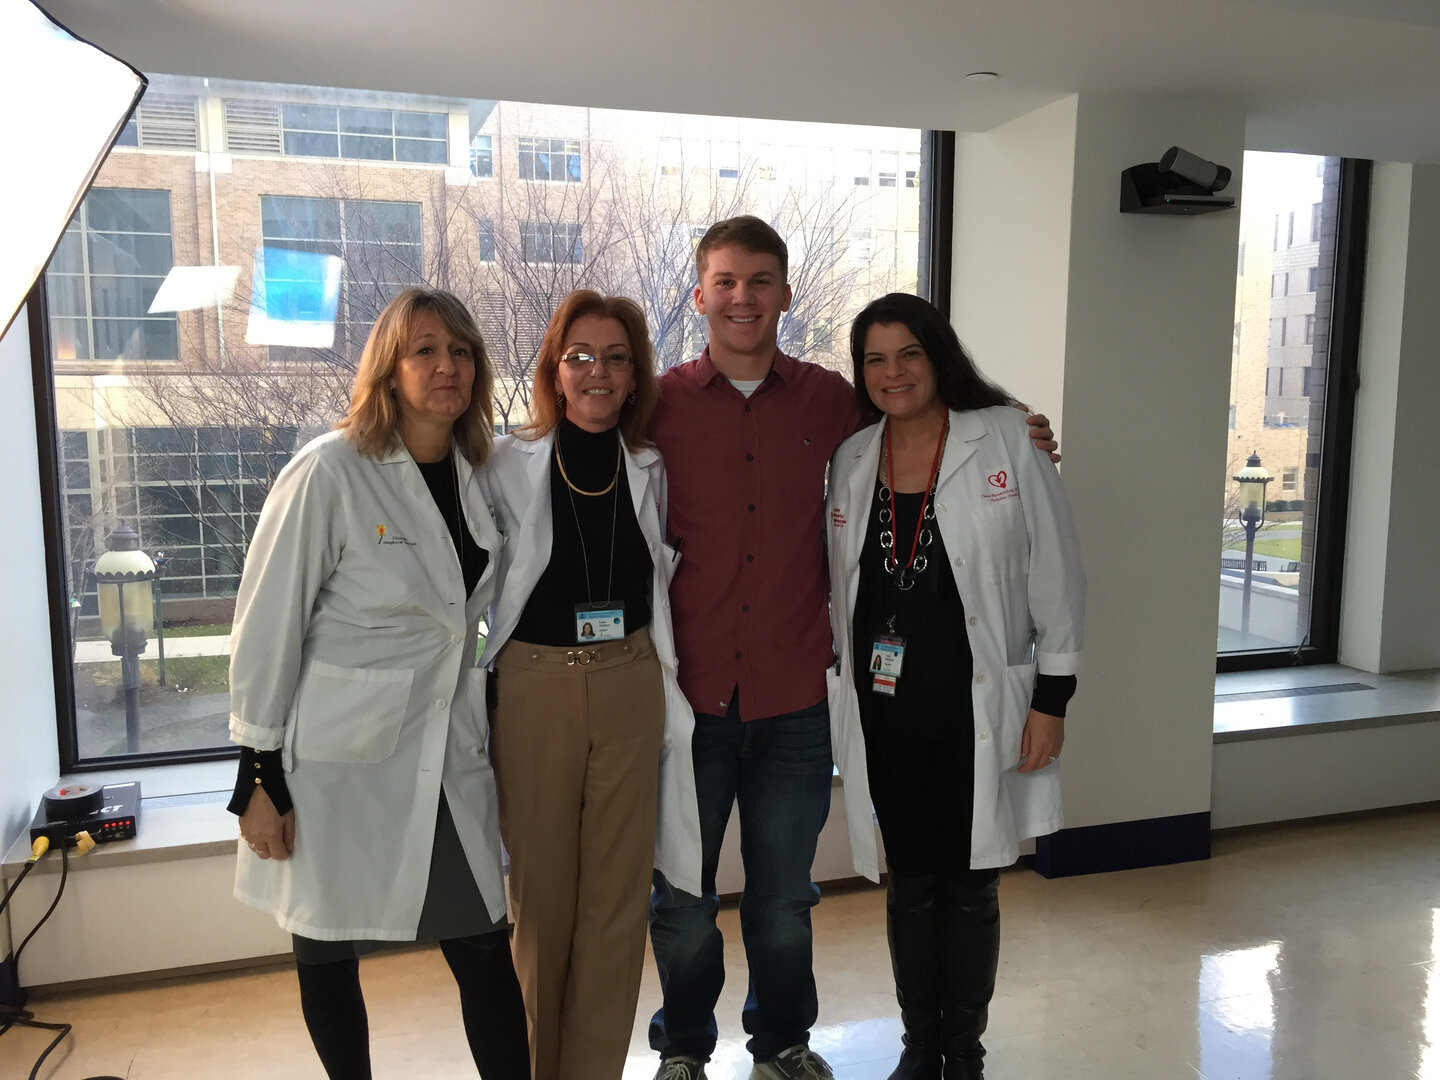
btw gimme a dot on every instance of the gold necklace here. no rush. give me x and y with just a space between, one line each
559 460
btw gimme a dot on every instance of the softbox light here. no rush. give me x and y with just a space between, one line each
64 104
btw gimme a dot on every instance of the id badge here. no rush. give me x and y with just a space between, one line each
887 656
604 621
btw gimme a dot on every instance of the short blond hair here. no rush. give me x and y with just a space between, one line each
373 419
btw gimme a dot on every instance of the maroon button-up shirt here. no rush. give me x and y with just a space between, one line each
746 508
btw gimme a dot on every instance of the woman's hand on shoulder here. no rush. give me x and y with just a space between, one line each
1040 433
1041 742
270 834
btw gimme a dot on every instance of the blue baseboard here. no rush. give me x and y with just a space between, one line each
1123 845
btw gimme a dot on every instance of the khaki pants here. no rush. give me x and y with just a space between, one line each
575 742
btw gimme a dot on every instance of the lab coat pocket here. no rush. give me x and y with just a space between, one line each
350 714
1019 687
669 563
475 684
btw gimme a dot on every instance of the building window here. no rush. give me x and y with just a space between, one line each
102 282
1312 282
888 170
551 242
482 157
1277 333
727 160
163 122
1278 284
1315 217
549 159
1290 231
379 247
860 167
669 157
1289 478
331 131
1309 329
486 229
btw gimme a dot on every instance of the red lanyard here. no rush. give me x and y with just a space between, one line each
929 489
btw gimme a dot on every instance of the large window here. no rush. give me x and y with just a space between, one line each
549 159
360 132
272 280
379 245
104 277
1287 469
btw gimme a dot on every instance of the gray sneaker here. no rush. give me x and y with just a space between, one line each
796 1063
681 1068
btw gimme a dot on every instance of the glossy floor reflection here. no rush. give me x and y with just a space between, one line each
1301 952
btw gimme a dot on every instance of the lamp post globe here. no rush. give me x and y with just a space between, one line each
123 586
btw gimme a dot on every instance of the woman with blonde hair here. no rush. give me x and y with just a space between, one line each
589 718
366 801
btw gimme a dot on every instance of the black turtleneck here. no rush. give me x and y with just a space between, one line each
591 460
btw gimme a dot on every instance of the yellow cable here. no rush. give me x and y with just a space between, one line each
84 843
39 847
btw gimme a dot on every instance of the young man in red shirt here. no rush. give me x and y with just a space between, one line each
746 433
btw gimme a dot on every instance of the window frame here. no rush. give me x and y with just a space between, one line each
1342 382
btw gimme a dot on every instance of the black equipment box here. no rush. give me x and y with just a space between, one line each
107 813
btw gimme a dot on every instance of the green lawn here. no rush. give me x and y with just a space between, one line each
1280 549
95 683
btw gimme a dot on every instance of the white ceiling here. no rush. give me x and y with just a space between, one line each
1353 77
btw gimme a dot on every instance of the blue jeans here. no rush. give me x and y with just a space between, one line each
778 771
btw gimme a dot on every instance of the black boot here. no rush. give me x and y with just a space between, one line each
912 926
969 955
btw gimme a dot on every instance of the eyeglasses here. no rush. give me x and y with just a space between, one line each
611 361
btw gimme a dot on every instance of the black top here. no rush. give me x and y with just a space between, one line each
444 484
933 690
262 767
591 461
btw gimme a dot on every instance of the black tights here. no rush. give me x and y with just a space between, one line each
490 1003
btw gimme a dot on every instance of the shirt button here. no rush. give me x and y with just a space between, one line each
959 561
749 457
974 621
984 736
439 702
744 607
980 678
454 639
749 558
941 507
747 408
752 508
738 655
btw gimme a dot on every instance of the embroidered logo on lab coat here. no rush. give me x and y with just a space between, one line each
384 537
837 518
1000 489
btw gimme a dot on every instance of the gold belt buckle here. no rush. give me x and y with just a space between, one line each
581 656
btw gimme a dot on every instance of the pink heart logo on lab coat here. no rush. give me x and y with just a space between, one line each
997 480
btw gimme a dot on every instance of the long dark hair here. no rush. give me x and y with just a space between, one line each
957 380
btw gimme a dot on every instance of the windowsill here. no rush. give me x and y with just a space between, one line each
1270 709
171 827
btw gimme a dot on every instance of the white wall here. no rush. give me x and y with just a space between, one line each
29 759
1392 580
1132 315
1014 190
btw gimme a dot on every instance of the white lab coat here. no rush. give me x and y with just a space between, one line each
516 482
1013 550
354 654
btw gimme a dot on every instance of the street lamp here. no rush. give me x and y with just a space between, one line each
127 611
1252 480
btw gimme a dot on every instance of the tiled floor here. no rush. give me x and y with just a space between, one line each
1302 952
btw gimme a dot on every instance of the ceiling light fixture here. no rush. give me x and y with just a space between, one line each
982 76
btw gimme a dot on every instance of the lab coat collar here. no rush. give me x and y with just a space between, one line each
966 428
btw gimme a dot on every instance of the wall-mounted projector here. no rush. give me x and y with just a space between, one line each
1179 183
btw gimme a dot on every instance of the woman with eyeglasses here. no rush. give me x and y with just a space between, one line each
588 708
